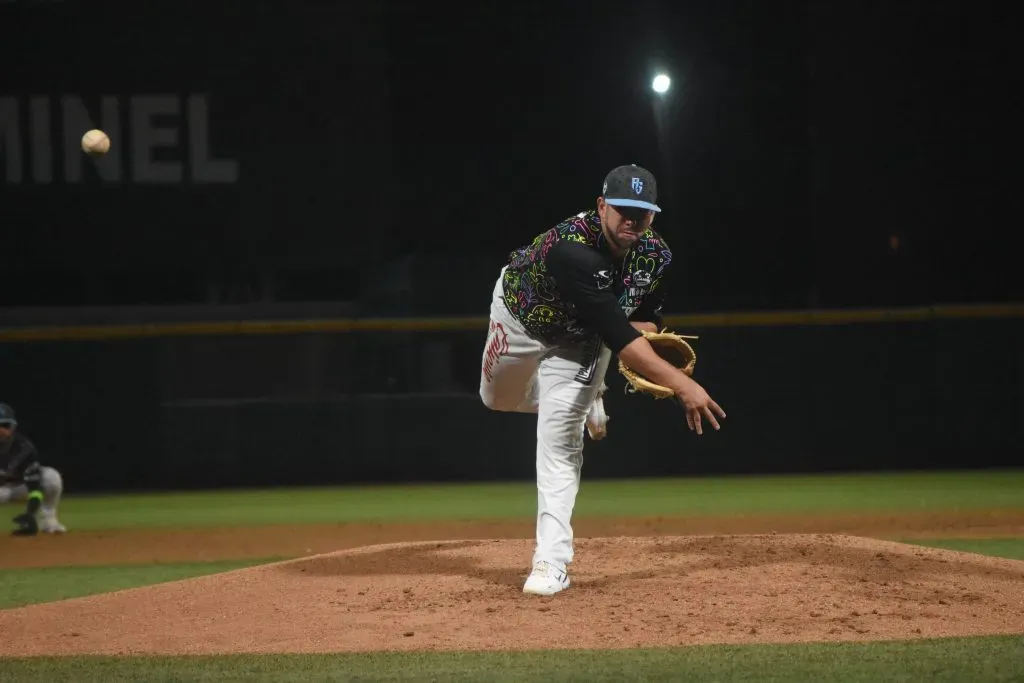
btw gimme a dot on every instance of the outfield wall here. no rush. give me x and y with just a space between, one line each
252 402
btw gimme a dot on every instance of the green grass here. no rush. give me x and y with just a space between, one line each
897 492
1012 548
45 584
978 660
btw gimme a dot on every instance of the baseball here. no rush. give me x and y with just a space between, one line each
95 142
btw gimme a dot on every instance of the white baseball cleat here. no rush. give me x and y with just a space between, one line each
545 579
597 420
49 525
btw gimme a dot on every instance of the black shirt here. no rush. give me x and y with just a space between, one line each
18 457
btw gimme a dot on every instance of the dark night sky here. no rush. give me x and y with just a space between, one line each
800 137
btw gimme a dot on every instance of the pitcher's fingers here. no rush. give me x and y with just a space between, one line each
689 420
711 418
698 427
717 408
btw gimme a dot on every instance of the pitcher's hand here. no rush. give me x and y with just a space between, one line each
699 405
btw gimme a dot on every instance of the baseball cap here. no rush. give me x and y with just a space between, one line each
7 416
631 185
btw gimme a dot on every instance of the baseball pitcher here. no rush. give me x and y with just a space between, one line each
589 287
23 478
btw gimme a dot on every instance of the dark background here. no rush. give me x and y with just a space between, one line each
810 155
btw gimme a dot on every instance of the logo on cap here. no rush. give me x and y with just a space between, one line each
631 186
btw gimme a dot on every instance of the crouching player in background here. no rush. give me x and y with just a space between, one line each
23 478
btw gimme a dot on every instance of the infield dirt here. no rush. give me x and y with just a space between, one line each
208 544
636 583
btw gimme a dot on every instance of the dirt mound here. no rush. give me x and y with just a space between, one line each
205 544
466 595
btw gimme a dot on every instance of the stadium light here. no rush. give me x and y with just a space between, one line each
661 84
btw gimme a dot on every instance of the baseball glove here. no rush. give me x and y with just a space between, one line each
670 346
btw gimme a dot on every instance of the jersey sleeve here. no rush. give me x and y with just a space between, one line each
582 279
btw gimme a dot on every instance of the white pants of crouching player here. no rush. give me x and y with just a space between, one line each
559 384
52 485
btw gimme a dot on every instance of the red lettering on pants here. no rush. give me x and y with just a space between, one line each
496 348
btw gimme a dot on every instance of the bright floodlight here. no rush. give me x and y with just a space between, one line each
661 83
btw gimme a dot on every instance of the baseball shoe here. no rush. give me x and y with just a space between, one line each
545 579
50 525
597 419
27 525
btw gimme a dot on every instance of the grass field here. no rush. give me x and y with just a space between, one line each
945 661
963 659
44 584
861 493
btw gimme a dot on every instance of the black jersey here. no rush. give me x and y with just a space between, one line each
19 460
565 286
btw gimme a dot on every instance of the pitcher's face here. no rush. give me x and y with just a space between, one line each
623 225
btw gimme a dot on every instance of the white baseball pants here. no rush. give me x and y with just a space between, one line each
521 374
52 484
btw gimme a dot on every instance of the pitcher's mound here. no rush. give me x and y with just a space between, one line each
466 595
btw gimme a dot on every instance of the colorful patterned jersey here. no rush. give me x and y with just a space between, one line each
533 296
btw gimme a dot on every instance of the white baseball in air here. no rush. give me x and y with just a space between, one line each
95 142
661 83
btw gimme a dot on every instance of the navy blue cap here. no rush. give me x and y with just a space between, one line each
7 415
631 185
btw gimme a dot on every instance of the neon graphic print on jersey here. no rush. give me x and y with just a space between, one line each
531 294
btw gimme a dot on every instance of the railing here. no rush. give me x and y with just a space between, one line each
335 399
